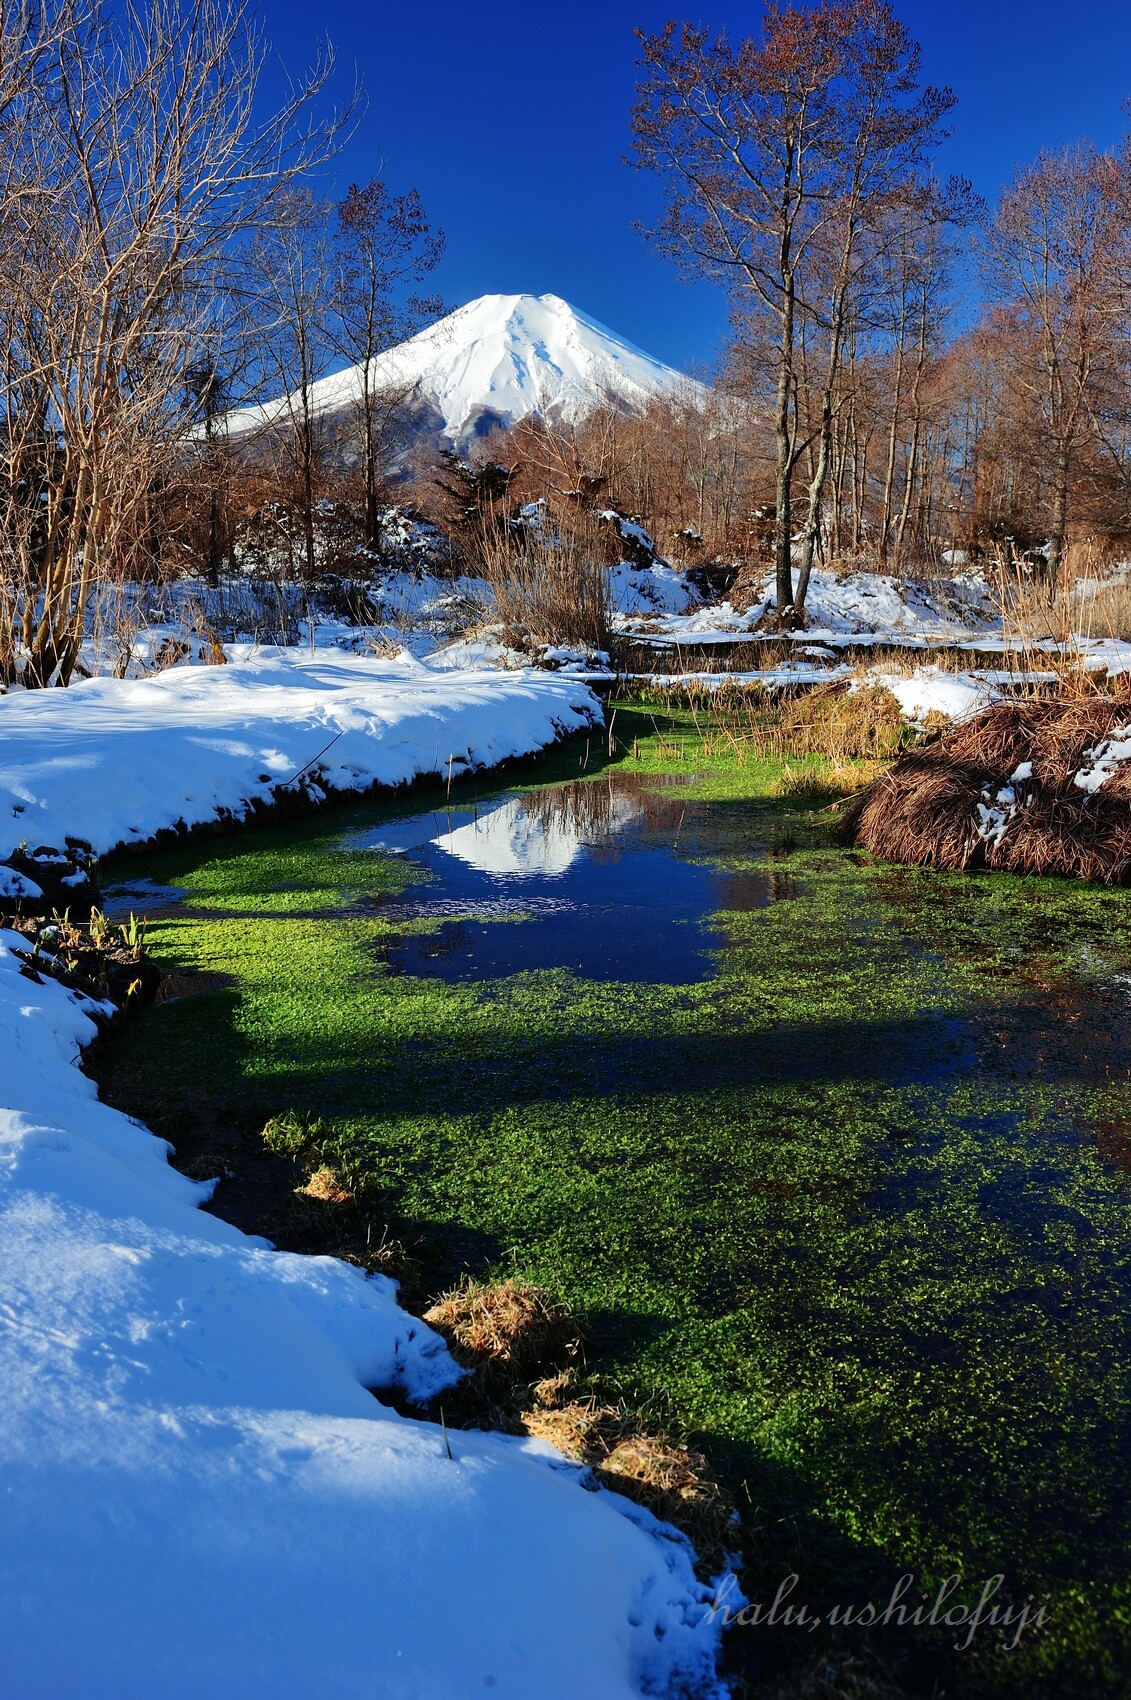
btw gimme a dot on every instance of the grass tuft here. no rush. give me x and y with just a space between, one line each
510 1329
292 1135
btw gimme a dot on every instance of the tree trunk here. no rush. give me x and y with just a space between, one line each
821 469
816 500
369 448
783 516
916 433
893 439
1059 527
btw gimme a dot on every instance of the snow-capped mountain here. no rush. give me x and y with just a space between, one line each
494 362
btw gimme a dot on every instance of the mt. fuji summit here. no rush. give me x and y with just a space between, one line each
493 362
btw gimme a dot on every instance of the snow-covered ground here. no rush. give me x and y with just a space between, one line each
111 761
848 605
199 1495
432 616
658 589
448 624
931 690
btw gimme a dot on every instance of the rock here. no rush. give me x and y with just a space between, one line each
47 881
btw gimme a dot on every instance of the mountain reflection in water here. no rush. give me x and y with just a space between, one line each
608 878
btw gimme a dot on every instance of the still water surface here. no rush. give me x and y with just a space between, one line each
603 877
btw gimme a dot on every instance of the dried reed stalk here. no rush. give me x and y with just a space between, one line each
926 808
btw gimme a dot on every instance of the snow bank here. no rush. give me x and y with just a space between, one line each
200 1496
648 590
112 761
882 603
487 650
854 605
930 690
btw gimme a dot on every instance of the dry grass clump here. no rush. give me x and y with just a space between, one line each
522 1347
205 1166
1104 611
674 1483
550 584
328 1214
317 1218
669 1479
513 1339
926 808
504 1329
831 720
324 1219
827 782
1067 615
325 1186
843 724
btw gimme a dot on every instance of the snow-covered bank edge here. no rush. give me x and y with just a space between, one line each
200 1494
114 762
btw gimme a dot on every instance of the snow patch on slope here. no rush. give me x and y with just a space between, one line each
1104 759
875 606
884 603
932 690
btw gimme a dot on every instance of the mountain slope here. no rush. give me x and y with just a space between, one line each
494 362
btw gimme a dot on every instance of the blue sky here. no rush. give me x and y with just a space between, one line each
511 119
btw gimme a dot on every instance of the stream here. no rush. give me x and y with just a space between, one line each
832 1158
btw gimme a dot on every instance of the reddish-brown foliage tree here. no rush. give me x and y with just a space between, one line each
776 154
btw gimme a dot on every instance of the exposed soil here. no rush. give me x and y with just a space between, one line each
107 968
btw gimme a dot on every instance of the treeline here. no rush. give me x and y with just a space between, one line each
912 378
910 375
798 173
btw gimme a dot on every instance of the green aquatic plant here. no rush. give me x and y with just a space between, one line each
288 1135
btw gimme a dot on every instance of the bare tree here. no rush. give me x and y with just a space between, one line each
1057 258
776 153
917 251
384 243
138 168
296 284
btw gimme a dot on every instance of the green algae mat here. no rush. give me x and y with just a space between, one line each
831 1157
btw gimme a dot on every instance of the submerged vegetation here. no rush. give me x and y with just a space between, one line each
848 1214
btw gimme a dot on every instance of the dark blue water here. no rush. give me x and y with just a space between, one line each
599 879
